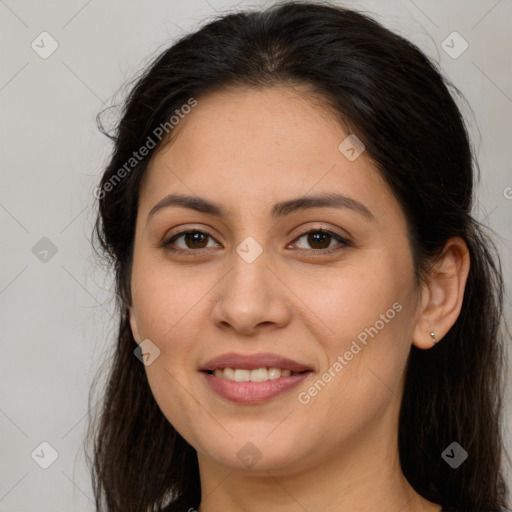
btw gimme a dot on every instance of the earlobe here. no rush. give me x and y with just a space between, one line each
442 296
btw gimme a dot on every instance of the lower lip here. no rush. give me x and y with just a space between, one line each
253 392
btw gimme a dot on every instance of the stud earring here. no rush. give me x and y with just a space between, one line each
433 336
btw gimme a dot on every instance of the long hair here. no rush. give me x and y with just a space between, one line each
383 88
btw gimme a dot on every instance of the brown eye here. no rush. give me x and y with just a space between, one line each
192 240
320 240
195 240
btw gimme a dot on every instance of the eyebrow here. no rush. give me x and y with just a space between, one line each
279 210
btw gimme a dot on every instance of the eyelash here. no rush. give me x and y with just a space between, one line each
168 242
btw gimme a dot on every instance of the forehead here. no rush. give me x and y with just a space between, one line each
271 143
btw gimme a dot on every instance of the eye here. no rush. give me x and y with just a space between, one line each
193 239
321 240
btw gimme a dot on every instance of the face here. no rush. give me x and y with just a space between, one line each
321 296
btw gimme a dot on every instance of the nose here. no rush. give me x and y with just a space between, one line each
250 298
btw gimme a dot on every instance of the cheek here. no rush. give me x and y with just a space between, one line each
368 312
175 399
166 299
170 313
348 300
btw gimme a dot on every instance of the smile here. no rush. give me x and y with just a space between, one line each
252 378
257 375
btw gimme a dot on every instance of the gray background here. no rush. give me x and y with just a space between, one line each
56 324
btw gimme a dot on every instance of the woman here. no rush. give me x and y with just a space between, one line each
309 314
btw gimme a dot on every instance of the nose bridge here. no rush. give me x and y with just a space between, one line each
250 294
248 282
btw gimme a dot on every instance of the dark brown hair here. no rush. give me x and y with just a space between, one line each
383 88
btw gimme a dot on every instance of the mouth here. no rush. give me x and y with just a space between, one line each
253 379
256 375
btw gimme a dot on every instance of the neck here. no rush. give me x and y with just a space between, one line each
364 475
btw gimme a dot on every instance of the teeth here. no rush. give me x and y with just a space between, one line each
229 373
242 375
258 375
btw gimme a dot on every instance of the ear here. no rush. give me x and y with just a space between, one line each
133 324
442 295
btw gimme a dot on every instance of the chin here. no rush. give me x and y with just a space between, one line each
256 453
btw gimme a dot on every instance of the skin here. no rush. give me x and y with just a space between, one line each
246 150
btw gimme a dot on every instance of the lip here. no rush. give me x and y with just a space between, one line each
253 362
251 393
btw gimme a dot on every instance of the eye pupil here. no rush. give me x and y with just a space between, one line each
321 238
195 238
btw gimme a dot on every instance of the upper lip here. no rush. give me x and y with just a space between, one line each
253 362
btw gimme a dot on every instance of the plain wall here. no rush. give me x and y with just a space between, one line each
56 324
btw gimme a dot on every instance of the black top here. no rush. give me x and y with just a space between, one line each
444 509
449 509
